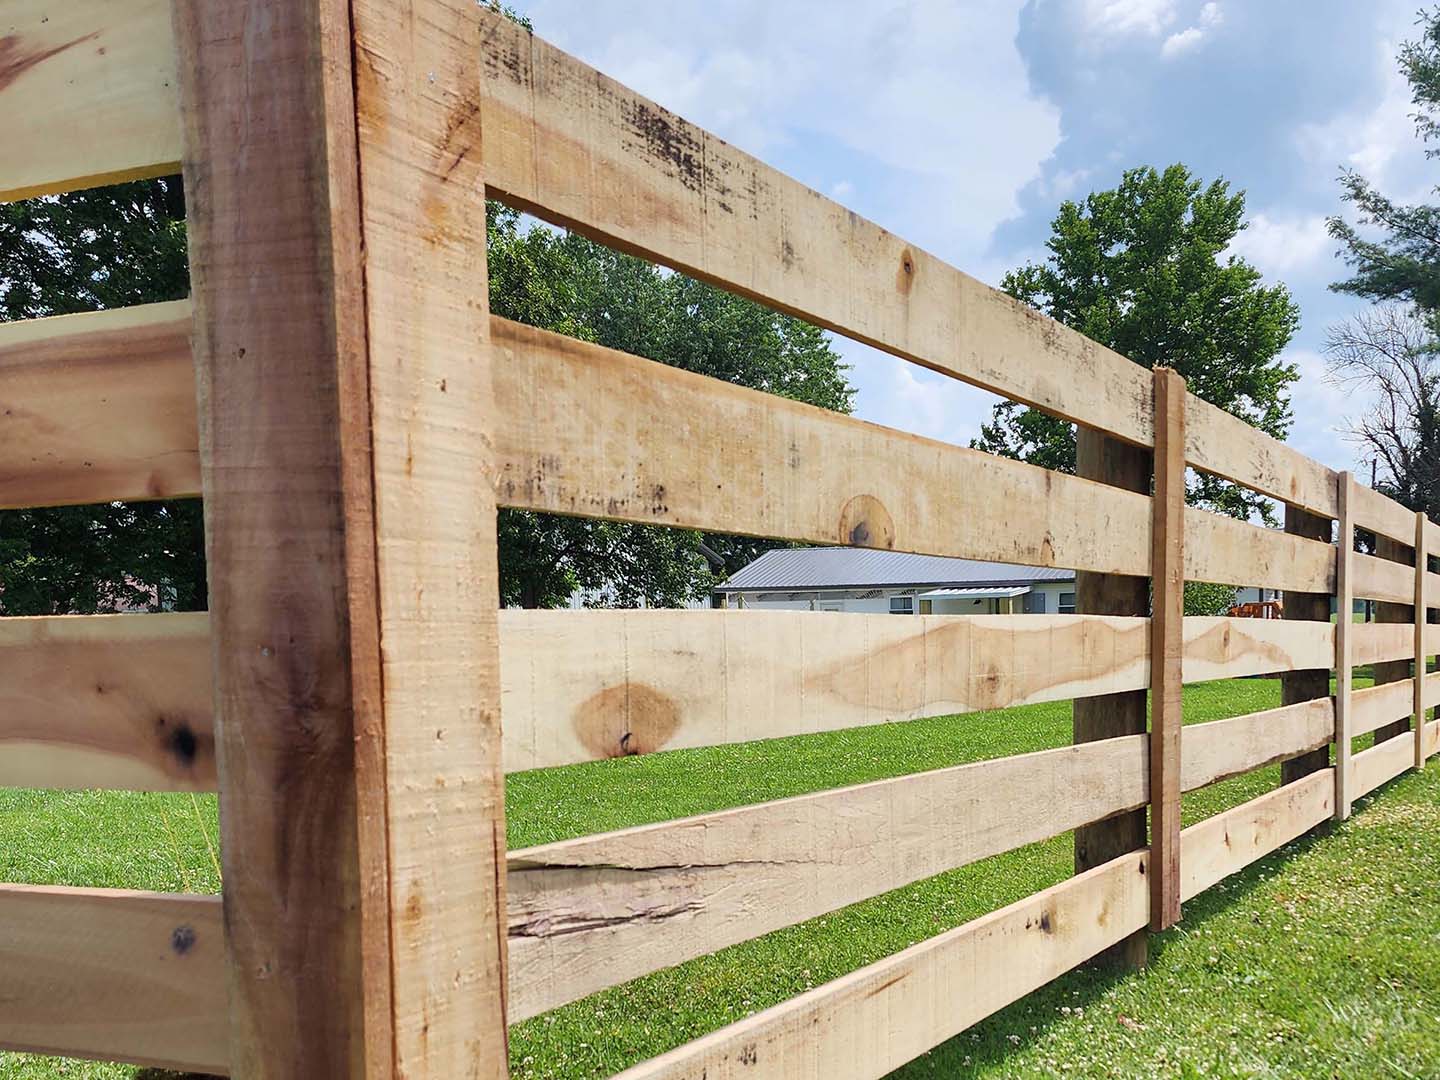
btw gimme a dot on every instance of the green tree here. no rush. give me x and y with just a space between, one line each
1143 269
1403 261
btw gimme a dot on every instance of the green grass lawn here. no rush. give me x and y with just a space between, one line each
1321 960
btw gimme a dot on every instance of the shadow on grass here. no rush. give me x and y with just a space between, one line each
1025 1022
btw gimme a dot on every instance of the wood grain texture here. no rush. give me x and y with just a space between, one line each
1379 513
590 431
98 407
1344 632
1226 843
1220 749
599 433
593 912
125 53
867 1023
1382 579
116 975
432 424
1227 446
1222 549
1223 647
581 685
1382 762
1167 591
1378 643
87 94
1374 707
590 913
279 340
106 701
584 685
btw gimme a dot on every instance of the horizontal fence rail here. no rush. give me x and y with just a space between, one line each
580 417
124 701
93 98
359 404
106 973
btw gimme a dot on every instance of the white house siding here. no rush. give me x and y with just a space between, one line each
944 605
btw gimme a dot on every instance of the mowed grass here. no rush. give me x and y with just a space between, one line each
1319 961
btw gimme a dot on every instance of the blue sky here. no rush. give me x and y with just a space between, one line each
962 125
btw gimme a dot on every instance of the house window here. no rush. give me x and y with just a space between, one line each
902 605
1067 603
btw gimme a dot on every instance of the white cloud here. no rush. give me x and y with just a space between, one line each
932 97
1323 413
903 395
1062 184
1190 38
1182 42
1281 245
1375 138
1119 17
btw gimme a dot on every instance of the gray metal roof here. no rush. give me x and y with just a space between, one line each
795 569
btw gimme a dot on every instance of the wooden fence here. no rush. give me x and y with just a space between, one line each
361 415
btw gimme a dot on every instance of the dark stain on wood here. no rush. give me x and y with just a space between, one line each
182 939
665 138
864 522
14 61
462 135
625 720
905 275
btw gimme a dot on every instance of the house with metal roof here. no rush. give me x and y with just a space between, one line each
866 579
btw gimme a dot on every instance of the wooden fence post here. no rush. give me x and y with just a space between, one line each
1344 606
417 90
1111 461
280 360
1307 685
1420 574
1167 642
346 412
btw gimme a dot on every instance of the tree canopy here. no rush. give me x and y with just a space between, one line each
1143 268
